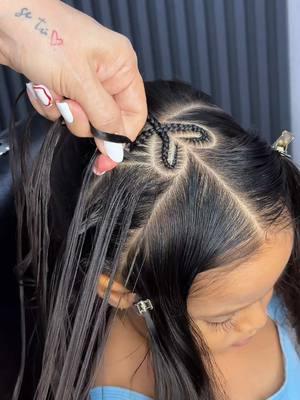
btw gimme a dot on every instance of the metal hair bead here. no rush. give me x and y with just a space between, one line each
281 144
143 306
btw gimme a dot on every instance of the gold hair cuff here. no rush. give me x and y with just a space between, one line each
281 144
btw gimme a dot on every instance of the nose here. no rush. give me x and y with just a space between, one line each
253 318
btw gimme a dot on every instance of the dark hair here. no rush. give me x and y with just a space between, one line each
182 202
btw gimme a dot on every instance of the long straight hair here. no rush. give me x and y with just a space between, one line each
181 203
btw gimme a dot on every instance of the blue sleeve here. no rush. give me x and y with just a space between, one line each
115 393
276 310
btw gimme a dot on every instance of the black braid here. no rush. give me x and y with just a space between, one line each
162 130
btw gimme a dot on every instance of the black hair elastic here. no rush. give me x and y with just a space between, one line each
110 137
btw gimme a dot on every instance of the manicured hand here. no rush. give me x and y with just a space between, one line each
76 68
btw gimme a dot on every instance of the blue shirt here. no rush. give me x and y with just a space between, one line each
290 389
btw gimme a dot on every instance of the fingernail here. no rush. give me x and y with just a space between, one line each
114 151
43 95
30 89
65 111
96 172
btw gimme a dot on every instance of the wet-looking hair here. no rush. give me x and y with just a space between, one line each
195 191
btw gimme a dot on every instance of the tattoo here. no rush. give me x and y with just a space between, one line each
55 39
24 12
41 26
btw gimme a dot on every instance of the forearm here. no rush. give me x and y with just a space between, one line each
7 41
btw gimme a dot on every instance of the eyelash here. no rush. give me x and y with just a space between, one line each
225 325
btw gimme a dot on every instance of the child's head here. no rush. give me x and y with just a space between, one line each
228 307
202 218
236 301
212 231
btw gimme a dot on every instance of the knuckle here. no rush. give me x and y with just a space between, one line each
129 50
127 43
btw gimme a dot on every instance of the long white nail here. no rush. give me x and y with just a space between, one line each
65 111
43 94
114 151
30 89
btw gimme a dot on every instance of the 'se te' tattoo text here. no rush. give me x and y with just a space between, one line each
40 25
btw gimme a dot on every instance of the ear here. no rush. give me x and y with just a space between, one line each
119 296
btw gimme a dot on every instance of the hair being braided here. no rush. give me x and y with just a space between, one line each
163 130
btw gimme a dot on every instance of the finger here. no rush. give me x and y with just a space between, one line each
75 118
33 100
100 107
43 100
49 104
133 105
103 164
78 123
128 90
103 113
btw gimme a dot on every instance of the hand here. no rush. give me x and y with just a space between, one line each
67 54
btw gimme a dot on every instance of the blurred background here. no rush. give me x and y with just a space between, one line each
241 52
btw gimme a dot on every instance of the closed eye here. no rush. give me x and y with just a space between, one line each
225 325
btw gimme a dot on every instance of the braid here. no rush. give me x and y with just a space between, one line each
162 129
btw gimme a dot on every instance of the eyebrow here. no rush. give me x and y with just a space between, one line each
228 313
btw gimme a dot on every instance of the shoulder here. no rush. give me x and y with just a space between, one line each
126 362
278 312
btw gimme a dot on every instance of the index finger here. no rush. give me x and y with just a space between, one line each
132 104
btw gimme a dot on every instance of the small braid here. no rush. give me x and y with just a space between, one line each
162 130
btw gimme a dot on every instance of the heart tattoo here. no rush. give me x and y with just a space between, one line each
55 39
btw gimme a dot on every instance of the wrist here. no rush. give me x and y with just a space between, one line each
5 39
8 32
18 19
